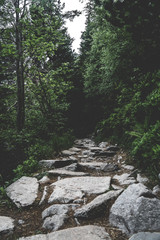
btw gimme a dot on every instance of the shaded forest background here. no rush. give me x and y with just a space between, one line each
50 95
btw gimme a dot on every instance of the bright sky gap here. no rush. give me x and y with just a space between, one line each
77 26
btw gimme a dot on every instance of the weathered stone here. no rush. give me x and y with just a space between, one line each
128 167
6 225
54 217
58 163
124 179
103 144
73 158
64 172
65 195
24 191
109 167
156 190
92 165
136 210
115 187
96 149
90 232
87 153
69 189
145 236
97 206
68 153
21 222
73 167
44 180
74 149
141 179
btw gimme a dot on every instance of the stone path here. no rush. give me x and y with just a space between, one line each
88 193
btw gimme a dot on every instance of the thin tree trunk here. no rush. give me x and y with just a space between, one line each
19 72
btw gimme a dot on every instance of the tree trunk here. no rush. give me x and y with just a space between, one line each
19 71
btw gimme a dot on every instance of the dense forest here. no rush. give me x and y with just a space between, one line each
50 95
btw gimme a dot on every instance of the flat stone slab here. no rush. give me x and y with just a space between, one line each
6 224
124 179
58 163
90 232
64 172
97 206
68 153
55 216
24 191
74 149
136 210
92 165
146 236
69 189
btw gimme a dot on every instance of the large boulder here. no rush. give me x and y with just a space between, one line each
97 206
86 233
24 191
135 210
69 189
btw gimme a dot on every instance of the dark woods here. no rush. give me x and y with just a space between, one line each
50 94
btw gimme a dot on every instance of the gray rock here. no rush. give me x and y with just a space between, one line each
6 225
74 149
97 206
73 167
21 222
135 210
64 172
73 158
23 192
87 153
90 232
128 167
109 167
92 165
124 179
58 163
141 179
156 190
54 217
96 149
69 189
68 153
145 236
44 180
103 144
115 187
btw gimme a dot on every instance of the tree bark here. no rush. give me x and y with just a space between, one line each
19 72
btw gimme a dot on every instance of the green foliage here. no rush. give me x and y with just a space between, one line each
29 166
121 68
46 60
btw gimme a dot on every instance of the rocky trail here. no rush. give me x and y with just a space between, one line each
88 193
